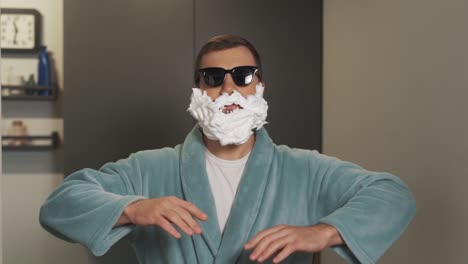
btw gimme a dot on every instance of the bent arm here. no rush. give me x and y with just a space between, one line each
85 207
370 210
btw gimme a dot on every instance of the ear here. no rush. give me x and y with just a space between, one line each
263 87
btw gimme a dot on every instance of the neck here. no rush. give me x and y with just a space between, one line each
229 152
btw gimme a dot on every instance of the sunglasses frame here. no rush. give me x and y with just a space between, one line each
202 72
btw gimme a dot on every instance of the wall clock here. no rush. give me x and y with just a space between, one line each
20 31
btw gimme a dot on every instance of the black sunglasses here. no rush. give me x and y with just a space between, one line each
242 75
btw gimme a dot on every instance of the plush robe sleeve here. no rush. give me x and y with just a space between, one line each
85 207
369 209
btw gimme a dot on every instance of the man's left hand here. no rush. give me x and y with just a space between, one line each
288 239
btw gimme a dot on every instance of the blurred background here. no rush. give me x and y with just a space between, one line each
379 83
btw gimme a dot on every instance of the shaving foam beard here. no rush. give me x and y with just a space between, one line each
235 127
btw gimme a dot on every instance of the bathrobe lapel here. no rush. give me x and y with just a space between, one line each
248 199
196 187
197 190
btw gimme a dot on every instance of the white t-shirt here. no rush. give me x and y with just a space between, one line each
224 177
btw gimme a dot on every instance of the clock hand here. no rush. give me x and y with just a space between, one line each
16 32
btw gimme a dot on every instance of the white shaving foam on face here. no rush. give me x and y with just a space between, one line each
229 128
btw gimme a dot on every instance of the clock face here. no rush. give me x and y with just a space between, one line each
20 31
17 31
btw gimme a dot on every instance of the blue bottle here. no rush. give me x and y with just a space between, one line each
44 70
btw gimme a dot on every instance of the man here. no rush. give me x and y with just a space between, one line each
228 194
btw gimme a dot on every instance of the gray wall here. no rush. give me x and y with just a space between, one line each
128 77
128 71
396 99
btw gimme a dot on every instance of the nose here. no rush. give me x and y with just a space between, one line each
228 85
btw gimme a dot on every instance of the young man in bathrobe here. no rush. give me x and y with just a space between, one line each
228 194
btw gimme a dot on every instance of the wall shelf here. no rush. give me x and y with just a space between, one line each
46 142
30 92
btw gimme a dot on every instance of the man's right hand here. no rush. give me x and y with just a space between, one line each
164 212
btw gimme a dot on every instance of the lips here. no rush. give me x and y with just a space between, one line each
230 108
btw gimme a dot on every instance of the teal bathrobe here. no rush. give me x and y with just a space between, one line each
280 185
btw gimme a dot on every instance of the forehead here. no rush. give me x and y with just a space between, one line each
228 58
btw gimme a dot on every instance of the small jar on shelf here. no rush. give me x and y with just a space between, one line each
17 128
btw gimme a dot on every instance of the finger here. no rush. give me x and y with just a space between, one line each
173 217
284 254
258 237
274 246
164 224
194 210
265 242
188 220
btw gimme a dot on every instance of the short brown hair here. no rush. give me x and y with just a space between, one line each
222 42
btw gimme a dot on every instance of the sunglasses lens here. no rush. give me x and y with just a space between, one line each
213 77
243 76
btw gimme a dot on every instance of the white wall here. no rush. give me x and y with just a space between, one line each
396 99
23 240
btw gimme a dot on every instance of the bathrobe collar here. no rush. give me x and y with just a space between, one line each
226 247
